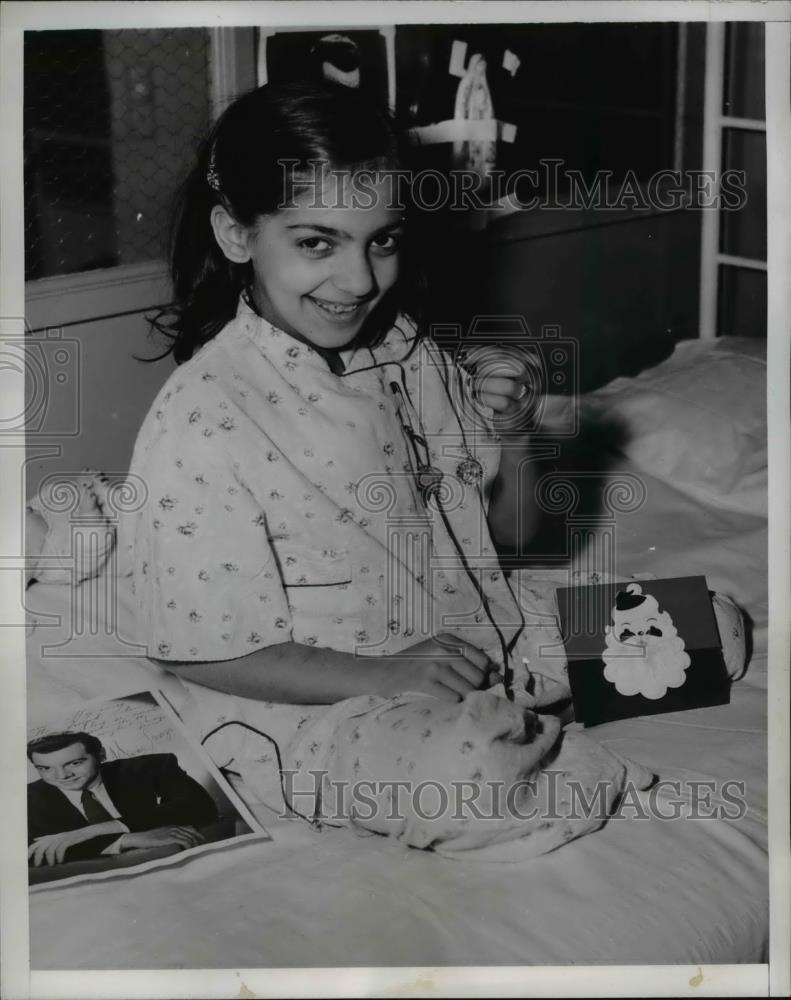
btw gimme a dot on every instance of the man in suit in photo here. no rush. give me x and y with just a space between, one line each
84 806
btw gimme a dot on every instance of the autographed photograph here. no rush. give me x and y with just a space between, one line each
99 799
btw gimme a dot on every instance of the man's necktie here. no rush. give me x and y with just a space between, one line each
93 809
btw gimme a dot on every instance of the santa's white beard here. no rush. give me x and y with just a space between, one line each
647 670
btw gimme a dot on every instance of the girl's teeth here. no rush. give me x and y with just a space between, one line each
334 308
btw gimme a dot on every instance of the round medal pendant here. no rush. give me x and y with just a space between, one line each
470 471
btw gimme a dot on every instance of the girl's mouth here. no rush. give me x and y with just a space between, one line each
336 310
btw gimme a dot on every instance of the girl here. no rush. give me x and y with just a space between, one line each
323 482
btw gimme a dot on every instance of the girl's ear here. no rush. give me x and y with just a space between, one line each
231 236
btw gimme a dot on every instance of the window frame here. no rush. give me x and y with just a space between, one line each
103 293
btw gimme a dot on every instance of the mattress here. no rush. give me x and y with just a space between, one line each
644 889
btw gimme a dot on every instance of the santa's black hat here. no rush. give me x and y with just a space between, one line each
626 600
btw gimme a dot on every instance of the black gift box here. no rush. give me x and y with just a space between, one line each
641 648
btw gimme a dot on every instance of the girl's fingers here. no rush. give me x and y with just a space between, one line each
444 693
469 672
491 361
511 386
454 684
461 676
458 647
476 657
496 402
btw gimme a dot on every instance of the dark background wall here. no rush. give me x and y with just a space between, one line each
624 284
598 96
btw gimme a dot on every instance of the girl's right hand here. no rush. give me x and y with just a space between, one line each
444 666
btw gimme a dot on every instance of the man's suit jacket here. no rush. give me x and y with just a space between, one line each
148 791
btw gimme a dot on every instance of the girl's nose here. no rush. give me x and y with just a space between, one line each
354 275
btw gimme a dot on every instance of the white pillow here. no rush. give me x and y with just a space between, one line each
68 536
697 420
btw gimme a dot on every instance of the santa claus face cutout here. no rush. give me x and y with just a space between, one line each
644 653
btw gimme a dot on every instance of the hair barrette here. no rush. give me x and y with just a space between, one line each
212 177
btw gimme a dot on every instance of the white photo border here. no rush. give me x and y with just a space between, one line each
746 980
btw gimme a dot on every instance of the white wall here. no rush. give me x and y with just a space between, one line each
105 404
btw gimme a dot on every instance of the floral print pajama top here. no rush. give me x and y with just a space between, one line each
283 503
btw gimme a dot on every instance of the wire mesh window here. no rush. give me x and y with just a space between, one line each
111 119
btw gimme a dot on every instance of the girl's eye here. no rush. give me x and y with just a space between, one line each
315 245
319 246
387 242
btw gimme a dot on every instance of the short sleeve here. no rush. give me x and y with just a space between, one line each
206 581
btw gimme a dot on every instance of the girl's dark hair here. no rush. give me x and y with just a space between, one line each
240 165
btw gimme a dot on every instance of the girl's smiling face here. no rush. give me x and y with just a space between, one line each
321 266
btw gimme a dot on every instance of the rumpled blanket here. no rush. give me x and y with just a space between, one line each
485 778
455 777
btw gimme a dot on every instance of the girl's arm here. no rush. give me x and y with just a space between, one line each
500 380
287 672
513 515
294 674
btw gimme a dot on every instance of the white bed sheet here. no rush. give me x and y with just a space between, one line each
637 891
